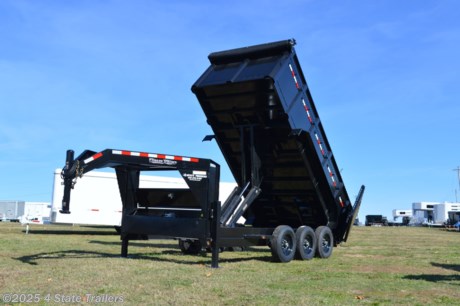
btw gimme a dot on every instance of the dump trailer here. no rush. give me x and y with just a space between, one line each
289 190
264 120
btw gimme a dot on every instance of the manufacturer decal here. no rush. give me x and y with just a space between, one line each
196 176
166 162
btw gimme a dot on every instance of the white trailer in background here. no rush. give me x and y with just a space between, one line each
36 212
37 209
436 213
402 213
11 210
423 212
22 211
401 216
446 213
96 197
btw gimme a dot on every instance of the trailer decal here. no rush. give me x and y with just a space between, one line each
162 161
194 177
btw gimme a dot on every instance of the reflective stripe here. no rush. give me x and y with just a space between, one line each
307 110
341 201
94 157
294 77
153 155
319 144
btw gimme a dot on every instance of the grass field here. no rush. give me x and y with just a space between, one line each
377 266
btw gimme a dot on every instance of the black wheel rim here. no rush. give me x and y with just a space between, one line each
286 245
326 244
307 246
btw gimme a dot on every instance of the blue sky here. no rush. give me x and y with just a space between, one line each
96 74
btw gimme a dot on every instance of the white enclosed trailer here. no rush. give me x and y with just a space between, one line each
11 210
423 212
36 212
401 216
446 212
96 197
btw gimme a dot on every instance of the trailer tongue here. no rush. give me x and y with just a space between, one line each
289 188
187 214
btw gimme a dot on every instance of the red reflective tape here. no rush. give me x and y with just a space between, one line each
92 158
294 77
144 154
341 202
97 155
307 110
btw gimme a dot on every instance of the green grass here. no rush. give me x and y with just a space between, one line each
377 266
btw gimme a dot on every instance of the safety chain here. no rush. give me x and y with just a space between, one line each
78 172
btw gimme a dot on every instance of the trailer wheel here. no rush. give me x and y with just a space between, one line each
305 242
325 241
283 244
191 247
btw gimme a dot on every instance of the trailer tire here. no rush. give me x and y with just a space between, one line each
190 247
305 242
324 242
283 244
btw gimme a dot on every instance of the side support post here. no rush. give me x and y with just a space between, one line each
215 223
124 247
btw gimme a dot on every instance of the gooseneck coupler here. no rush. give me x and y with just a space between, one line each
67 174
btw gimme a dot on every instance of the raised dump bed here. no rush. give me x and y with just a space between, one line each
289 189
259 106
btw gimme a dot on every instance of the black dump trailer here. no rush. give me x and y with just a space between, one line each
290 190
